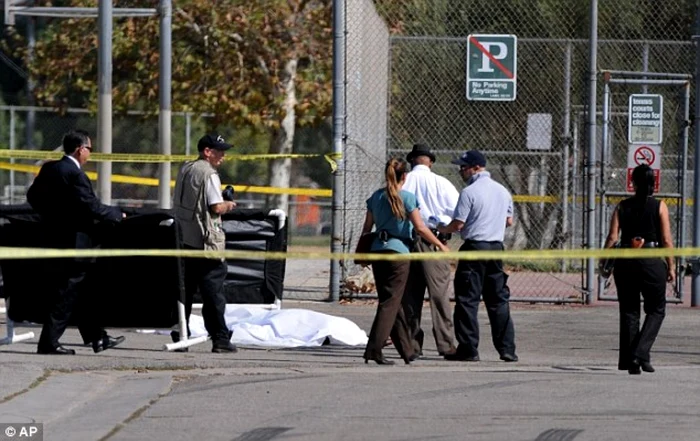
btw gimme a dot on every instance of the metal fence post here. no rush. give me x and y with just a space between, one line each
338 142
591 159
566 147
30 124
188 132
695 284
165 114
104 100
12 160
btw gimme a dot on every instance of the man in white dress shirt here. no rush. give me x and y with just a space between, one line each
437 198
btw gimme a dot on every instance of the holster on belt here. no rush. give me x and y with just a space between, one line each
637 242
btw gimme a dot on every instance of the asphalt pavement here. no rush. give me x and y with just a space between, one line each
565 387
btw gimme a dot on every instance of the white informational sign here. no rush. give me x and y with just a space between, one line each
644 154
539 131
645 119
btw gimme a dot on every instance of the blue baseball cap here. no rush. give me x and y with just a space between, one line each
471 158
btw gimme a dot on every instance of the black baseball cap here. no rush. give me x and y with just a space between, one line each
471 158
213 141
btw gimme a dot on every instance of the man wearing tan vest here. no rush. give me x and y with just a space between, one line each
199 204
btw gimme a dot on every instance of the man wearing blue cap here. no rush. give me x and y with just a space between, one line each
484 210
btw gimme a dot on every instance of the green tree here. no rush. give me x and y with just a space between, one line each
263 65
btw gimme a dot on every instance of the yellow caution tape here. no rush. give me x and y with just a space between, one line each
153 182
331 158
516 255
39 155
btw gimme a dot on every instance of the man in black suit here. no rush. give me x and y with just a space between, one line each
68 207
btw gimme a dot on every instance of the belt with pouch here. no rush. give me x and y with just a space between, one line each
646 245
384 236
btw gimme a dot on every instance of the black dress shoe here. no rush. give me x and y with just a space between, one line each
509 358
224 347
458 356
644 365
58 350
106 342
635 368
380 360
412 358
449 351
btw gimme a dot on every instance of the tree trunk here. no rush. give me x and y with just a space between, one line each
282 141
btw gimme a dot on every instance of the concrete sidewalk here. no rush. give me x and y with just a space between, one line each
307 279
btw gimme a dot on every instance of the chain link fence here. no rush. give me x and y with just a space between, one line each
366 102
535 145
138 133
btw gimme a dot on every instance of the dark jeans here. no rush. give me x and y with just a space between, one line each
71 298
632 278
482 278
208 276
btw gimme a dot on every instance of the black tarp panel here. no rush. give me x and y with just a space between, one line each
141 291
254 281
130 291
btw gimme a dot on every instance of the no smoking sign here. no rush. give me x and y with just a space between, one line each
644 154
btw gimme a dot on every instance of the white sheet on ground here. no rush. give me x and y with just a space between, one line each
284 328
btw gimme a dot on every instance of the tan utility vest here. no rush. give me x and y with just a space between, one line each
200 228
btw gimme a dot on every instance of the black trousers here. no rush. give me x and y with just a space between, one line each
70 297
632 278
207 276
475 279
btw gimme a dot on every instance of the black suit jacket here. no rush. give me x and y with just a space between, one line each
64 199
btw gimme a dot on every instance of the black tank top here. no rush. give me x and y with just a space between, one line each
640 219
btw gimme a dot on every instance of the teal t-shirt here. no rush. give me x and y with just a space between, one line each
401 231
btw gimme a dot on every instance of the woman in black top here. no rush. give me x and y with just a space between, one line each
644 223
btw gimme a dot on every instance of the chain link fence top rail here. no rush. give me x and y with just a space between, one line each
427 103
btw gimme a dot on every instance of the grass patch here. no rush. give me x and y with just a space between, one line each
309 241
538 266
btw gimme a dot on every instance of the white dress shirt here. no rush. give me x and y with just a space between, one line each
75 161
436 195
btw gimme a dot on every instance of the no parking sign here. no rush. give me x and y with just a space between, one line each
644 154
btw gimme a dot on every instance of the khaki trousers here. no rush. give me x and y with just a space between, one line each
435 275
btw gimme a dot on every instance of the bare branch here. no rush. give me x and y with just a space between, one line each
191 23
263 65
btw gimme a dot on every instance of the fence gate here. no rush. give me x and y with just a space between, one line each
645 121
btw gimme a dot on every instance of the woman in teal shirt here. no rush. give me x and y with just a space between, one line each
395 214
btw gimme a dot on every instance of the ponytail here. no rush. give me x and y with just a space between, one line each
394 172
